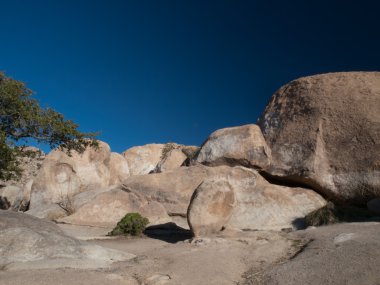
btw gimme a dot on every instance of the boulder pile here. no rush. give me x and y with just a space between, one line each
318 139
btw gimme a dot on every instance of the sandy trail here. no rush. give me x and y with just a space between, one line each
167 259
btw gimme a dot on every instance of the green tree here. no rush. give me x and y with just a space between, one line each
22 119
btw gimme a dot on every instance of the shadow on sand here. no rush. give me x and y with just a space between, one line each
168 232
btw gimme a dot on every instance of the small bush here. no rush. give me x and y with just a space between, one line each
131 224
332 214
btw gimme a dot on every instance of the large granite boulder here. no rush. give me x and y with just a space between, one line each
62 176
324 131
27 242
118 167
143 159
107 208
11 197
243 145
173 189
241 199
173 159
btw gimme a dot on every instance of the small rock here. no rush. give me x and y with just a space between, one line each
157 279
343 237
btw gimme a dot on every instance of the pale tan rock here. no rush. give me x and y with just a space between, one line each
243 145
143 159
272 207
239 198
173 189
10 197
173 160
324 131
62 176
107 209
50 212
211 207
27 242
27 190
119 169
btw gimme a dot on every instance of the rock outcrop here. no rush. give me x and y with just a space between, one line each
243 145
27 242
106 209
62 176
324 131
143 159
173 189
239 198
11 197
172 160
118 167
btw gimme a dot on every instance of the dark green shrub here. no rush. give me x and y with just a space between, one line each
131 224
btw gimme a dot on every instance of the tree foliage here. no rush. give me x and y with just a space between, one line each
22 119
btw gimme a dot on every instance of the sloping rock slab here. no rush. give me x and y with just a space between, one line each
27 242
337 254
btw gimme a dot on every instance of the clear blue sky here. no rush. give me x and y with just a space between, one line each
158 71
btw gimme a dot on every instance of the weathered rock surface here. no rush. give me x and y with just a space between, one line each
324 131
336 254
243 145
119 169
143 159
11 197
211 207
173 160
107 208
62 176
239 198
173 189
27 242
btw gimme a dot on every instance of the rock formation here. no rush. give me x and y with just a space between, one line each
173 189
244 145
172 158
27 242
324 131
239 198
11 197
143 159
106 209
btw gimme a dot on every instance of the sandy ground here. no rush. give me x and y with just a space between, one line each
167 258
339 254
